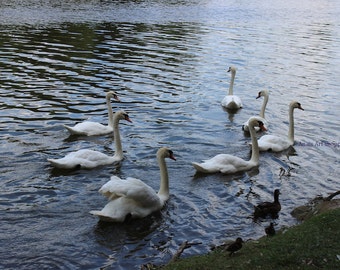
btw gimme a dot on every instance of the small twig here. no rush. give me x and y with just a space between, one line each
182 247
332 195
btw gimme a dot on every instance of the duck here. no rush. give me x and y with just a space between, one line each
89 128
265 94
235 246
276 143
131 198
265 209
89 159
270 230
227 164
231 101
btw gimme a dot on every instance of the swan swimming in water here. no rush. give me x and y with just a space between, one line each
131 197
89 128
278 143
225 163
231 101
89 159
265 94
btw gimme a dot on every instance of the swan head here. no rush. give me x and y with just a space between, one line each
232 69
112 94
165 152
296 105
256 122
122 115
262 93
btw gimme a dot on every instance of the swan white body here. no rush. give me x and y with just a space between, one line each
89 159
278 143
265 94
89 128
226 163
132 197
231 101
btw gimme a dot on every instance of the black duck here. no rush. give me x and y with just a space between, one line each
265 209
235 246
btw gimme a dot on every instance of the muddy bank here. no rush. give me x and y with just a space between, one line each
316 206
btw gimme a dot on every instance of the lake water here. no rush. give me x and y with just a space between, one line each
167 60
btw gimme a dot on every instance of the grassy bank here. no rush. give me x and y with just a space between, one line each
313 244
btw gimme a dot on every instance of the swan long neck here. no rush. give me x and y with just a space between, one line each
116 134
255 153
231 85
291 124
110 111
164 185
264 105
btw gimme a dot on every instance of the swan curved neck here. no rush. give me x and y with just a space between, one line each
291 124
117 140
163 192
255 153
109 108
264 105
231 85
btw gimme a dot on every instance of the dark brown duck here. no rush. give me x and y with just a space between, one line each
235 246
265 209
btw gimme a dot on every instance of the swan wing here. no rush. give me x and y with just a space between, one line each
84 158
273 143
223 163
115 210
89 129
132 189
231 102
129 197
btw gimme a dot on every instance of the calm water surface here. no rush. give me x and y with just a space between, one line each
168 64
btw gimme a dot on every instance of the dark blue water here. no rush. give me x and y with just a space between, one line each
168 63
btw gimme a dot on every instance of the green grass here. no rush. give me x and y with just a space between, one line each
314 244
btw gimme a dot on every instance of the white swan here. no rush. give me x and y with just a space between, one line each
265 94
225 163
89 159
132 198
89 128
277 143
231 101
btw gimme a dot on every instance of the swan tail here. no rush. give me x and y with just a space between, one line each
57 164
103 217
69 129
199 167
53 162
73 132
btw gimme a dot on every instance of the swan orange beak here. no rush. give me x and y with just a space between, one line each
263 128
172 157
127 118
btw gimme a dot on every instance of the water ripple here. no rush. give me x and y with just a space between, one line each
169 70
